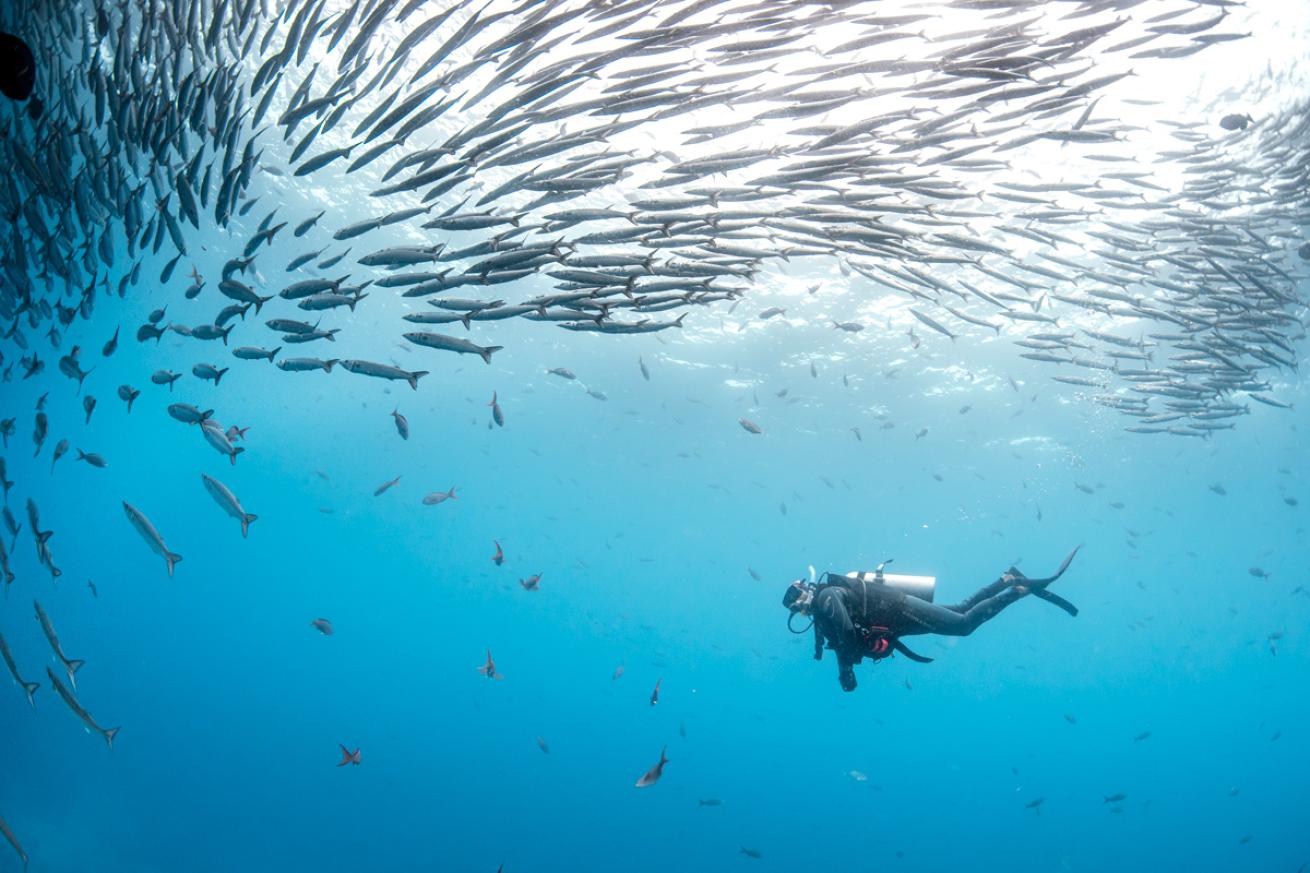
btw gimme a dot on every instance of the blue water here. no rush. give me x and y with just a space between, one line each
643 514
1182 684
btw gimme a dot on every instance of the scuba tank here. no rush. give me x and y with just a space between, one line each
922 587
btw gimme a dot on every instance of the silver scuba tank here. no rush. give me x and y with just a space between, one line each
922 587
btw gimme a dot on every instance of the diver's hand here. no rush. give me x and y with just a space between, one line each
847 677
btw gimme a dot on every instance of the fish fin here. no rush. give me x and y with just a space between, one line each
30 689
273 354
329 363
172 558
415 376
220 375
260 301
345 756
233 457
245 522
488 351
73 666
109 737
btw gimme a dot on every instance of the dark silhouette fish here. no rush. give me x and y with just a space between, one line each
29 688
80 712
489 669
651 776
13 841
499 557
348 757
323 626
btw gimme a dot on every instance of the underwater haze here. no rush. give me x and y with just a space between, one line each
595 325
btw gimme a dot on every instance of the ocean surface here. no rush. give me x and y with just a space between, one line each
1162 729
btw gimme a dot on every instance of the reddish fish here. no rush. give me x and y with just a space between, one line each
532 583
489 669
651 776
499 557
322 625
497 414
655 695
348 757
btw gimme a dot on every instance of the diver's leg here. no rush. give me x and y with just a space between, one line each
929 618
1008 578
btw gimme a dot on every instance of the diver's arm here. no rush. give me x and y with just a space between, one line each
831 614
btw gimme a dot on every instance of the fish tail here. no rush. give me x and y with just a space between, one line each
273 354
488 351
30 689
172 558
415 376
328 364
222 371
109 737
233 457
73 666
260 301
225 333
246 520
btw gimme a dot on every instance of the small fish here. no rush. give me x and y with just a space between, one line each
1259 573
858 776
618 671
29 688
754 575
499 557
402 424
92 586
497 414
752 853
1069 718
348 757
1219 489
562 372
923 432
645 373
858 436
651 776
228 501
150 535
437 497
771 312
13 841
1115 798
710 801
92 458
489 669
61 449
749 426
322 625
88 406
128 393
655 695
532 583
385 486
79 711
1144 735
543 745
112 345
1035 804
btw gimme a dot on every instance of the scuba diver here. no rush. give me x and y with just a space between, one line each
864 615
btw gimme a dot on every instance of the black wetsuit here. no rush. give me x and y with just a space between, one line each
858 619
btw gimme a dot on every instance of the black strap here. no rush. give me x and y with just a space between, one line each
905 650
